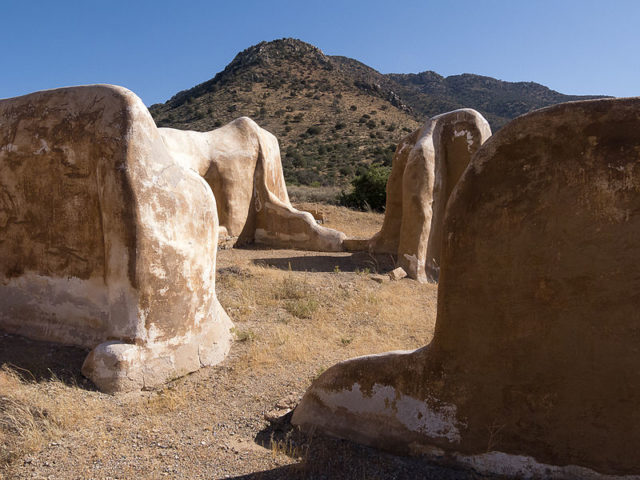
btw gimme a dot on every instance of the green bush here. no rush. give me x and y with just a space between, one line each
369 190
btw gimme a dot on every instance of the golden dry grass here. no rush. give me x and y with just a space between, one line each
353 223
31 414
294 316
290 325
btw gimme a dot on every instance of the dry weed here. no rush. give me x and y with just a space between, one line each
164 401
290 447
353 223
31 414
348 313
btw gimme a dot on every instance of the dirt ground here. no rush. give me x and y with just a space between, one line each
295 313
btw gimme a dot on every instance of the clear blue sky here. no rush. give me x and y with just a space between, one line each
157 48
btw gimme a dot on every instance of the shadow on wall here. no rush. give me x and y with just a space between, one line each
43 361
358 261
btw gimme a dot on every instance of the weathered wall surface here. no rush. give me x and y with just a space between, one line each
425 169
241 162
104 237
533 369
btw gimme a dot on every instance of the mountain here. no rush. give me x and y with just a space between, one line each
429 93
334 115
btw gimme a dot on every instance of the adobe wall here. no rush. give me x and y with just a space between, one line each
425 168
533 369
106 241
241 162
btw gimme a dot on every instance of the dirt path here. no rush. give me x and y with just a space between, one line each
296 313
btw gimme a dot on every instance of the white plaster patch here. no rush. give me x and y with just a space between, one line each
72 310
402 148
263 235
9 147
521 466
429 417
44 147
468 134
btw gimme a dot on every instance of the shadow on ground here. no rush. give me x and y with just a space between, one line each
322 457
357 261
43 361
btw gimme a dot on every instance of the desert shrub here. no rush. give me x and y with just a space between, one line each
244 335
369 190
346 170
307 177
302 308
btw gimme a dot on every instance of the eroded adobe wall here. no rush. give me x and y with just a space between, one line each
241 162
425 169
532 369
59 176
105 240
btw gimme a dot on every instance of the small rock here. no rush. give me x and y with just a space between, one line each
397 273
276 416
288 402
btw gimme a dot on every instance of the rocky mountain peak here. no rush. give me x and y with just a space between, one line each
276 51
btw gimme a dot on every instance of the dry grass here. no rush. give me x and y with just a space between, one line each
307 194
295 316
353 223
290 325
31 414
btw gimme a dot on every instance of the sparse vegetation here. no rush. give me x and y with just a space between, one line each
309 104
293 317
30 415
310 100
244 335
302 308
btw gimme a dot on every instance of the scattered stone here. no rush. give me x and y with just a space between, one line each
397 274
283 408
290 401
318 215
277 415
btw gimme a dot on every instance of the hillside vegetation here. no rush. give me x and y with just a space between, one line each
335 116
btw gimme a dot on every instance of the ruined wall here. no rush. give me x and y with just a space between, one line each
533 369
104 237
425 169
241 162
